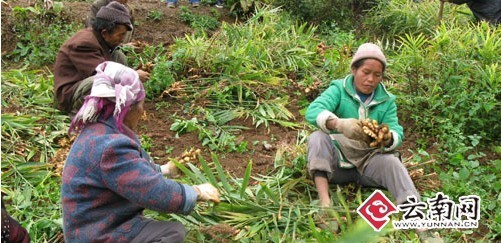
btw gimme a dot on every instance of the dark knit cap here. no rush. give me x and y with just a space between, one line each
115 12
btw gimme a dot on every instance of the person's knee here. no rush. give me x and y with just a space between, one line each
318 137
390 163
386 166
396 166
320 151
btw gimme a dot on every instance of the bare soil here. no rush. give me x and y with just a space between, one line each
156 125
162 31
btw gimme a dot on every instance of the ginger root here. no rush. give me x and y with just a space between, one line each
377 132
189 156
147 67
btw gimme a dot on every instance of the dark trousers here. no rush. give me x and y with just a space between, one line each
161 232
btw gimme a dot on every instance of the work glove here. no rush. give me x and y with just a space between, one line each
387 139
351 128
207 192
170 169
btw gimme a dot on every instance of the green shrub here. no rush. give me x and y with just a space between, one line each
200 23
391 19
155 15
342 13
242 8
451 84
165 71
36 46
246 65
31 128
466 175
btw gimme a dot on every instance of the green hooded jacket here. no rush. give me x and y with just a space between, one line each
340 100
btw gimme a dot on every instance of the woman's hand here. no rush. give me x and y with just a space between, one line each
143 75
170 169
349 127
207 192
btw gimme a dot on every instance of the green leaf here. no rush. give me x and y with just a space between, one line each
185 171
208 172
268 192
474 164
198 176
464 173
342 200
246 179
220 172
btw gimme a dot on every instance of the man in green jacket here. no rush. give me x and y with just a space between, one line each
339 152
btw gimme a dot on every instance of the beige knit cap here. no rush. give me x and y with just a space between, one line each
115 12
369 50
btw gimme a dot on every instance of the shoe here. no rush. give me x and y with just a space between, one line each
219 5
195 4
171 4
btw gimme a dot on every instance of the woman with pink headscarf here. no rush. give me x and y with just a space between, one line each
108 179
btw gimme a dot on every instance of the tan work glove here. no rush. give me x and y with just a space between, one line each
170 169
207 192
350 128
387 139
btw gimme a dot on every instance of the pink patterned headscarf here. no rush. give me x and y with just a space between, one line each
115 84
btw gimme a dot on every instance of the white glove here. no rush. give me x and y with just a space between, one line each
351 128
207 192
169 169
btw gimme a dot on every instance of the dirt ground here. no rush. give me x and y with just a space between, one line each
148 30
157 122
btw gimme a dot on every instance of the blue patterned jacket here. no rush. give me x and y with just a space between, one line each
108 180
